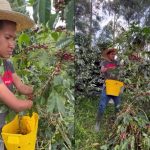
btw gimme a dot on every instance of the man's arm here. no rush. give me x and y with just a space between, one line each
21 87
8 98
104 69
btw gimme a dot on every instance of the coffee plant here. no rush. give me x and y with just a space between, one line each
45 59
131 129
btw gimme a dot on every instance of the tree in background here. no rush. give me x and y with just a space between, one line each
85 54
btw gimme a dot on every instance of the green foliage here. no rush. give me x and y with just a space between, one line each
42 11
37 62
63 42
135 70
69 15
48 13
19 6
87 74
23 39
130 131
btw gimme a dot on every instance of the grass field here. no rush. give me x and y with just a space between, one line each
85 136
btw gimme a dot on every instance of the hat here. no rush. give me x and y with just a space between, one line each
6 13
106 51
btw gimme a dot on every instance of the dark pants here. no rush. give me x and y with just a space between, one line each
104 99
2 123
2 120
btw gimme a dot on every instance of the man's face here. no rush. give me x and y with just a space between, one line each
7 40
111 56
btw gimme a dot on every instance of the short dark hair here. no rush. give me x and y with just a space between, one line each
4 22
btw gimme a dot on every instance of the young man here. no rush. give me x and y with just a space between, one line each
109 68
10 23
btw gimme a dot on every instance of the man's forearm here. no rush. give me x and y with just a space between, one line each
25 89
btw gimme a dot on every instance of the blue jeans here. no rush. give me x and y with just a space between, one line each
104 99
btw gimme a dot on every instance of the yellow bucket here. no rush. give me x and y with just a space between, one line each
16 141
113 87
